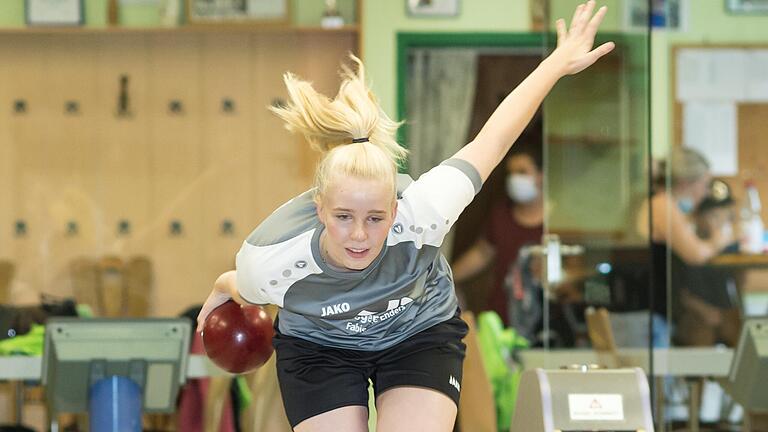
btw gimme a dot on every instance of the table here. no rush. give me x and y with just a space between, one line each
30 368
709 361
678 362
25 368
740 261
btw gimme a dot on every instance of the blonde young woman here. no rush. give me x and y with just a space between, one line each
354 263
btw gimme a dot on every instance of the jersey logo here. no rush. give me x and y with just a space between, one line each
397 228
454 382
335 309
391 305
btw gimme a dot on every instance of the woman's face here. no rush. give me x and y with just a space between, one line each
523 182
522 164
697 189
357 214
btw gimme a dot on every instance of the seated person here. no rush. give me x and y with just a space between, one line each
709 304
675 245
513 222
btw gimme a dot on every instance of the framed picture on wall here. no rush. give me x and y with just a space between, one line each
432 8
54 12
643 15
747 6
244 11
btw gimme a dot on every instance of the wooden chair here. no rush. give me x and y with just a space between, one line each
137 278
85 284
111 287
601 336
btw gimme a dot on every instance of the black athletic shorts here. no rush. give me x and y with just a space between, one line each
315 379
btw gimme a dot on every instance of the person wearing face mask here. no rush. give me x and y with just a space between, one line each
673 234
515 221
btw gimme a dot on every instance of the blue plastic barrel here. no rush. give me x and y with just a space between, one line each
115 405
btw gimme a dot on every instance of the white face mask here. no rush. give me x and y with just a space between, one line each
521 188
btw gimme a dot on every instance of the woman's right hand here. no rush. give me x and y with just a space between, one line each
223 290
214 300
574 44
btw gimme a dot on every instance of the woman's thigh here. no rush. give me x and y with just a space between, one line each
344 419
414 408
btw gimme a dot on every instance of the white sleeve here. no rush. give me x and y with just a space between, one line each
431 205
250 283
266 273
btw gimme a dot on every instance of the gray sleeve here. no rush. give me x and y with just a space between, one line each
468 169
297 216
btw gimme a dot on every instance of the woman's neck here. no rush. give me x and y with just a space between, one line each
327 258
529 214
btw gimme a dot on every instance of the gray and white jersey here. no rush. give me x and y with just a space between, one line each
405 290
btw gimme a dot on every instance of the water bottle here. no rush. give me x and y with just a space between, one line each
751 221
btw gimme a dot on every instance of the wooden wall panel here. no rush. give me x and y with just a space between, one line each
753 157
200 167
277 175
124 172
323 71
29 164
228 146
72 159
7 154
177 166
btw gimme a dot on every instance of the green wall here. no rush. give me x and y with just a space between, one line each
146 13
383 19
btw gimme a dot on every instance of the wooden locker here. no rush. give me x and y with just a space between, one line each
73 218
227 90
278 173
177 171
7 155
323 72
122 133
28 173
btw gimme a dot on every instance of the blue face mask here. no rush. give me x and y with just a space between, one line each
685 205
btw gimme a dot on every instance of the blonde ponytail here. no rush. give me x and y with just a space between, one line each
331 125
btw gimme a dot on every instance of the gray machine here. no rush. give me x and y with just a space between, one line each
749 368
583 398
79 352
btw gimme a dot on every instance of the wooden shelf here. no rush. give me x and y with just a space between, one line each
588 140
190 28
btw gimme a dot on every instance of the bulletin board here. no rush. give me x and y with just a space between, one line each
713 77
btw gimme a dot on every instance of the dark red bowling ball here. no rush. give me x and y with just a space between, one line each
238 338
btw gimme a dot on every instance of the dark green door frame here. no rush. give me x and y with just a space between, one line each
406 41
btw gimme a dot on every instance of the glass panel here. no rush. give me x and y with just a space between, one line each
596 146
706 219
675 253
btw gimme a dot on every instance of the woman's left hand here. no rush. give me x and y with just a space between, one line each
574 45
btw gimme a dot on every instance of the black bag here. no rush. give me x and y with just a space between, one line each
18 320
